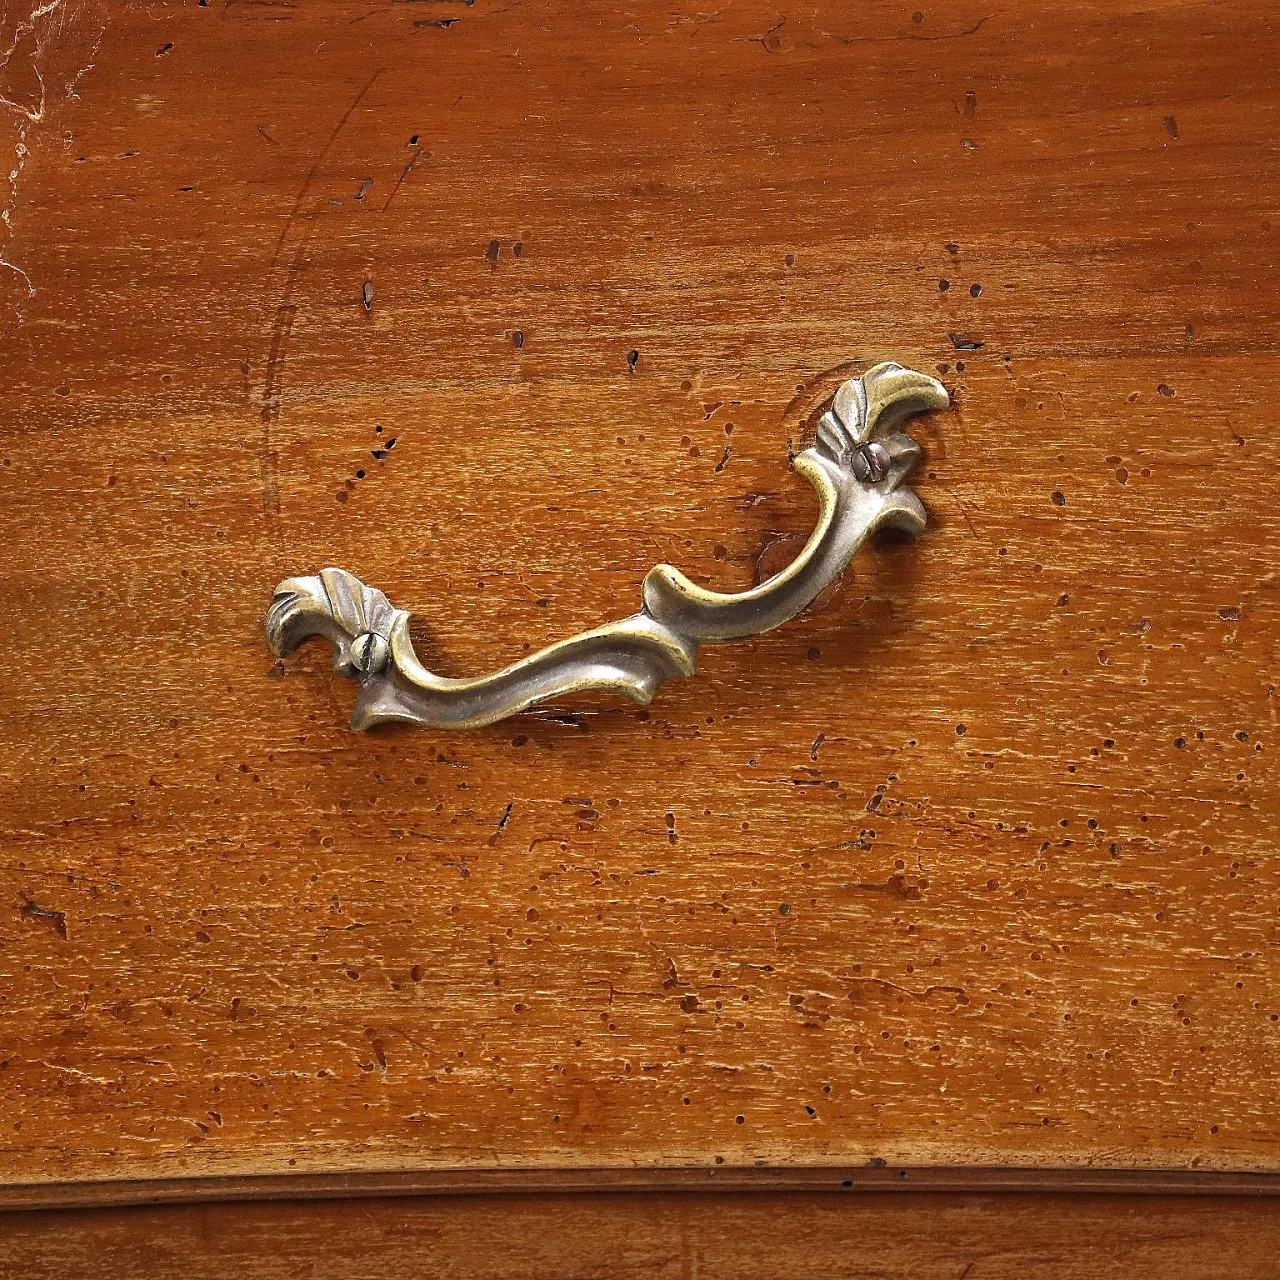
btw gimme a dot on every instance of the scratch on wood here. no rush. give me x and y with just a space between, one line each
56 920
268 469
286 310
404 173
33 27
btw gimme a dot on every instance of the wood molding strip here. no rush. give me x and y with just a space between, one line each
462 1182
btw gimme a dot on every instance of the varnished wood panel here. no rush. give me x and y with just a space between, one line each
973 866
826 1237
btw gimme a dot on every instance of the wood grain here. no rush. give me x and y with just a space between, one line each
826 1237
975 865
637 1181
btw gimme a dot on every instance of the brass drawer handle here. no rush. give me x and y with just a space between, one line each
857 465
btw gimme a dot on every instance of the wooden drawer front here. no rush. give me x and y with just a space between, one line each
971 866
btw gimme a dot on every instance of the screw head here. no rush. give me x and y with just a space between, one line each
870 462
369 653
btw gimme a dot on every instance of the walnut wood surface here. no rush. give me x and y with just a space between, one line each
659 1237
976 865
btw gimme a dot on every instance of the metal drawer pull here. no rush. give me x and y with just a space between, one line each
857 465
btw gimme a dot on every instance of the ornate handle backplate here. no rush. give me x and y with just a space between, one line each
858 466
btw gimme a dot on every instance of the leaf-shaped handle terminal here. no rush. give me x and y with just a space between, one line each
858 467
